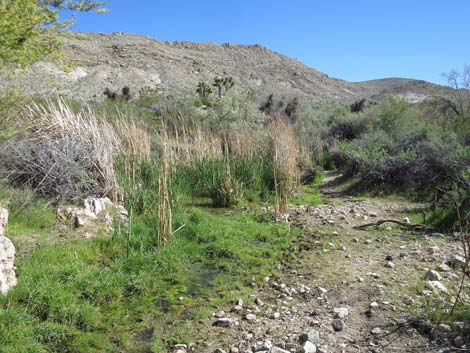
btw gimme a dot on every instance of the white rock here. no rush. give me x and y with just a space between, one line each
443 268
3 220
307 347
7 257
250 317
312 336
262 346
340 313
376 331
436 285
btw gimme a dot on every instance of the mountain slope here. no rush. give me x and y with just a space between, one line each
414 91
114 60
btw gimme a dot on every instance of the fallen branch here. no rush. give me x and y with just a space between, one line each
414 227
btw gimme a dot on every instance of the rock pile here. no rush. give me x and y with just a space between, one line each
93 210
7 256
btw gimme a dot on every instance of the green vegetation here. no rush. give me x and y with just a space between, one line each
94 296
28 28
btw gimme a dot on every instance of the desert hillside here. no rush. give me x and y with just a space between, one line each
97 61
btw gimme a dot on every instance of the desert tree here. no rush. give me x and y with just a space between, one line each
228 83
218 83
29 28
204 90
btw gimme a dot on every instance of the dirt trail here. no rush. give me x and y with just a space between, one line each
377 275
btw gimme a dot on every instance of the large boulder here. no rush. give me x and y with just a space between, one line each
7 256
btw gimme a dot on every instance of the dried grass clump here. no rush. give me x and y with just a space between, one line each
65 154
285 155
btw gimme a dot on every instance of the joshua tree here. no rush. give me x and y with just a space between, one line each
219 83
228 83
204 90
126 93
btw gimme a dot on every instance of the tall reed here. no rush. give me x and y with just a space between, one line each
285 154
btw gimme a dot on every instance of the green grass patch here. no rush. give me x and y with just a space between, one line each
92 296
309 194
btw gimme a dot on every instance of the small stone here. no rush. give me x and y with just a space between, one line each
340 313
312 336
234 350
433 275
250 317
443 268
219 314
223 322
433 250
307 347
275 316
389 257
355 240
237 308
390 264
388 229
376 331
262 346
374 305
259 302
337 325
278 350
342 248
218 350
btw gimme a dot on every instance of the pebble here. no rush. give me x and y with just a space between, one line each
312 336
340 313
443 268
223 322
262 346
338 325
250 317
376 331
390 264
374 305
307 347
275 316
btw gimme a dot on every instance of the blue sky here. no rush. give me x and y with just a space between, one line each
352 39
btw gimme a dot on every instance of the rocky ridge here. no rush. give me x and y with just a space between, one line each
96 61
